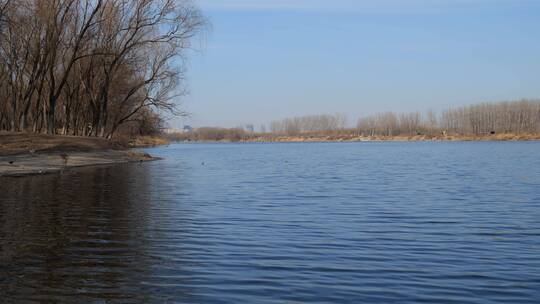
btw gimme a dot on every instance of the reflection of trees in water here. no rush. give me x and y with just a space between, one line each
80 233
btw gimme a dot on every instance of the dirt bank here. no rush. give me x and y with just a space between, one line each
12 143
26 154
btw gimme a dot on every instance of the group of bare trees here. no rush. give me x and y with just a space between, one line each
307 124
507 118
517 117
92 67
391 124
510 117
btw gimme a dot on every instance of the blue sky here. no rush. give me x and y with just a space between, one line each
270 59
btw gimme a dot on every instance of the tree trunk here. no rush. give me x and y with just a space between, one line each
51 116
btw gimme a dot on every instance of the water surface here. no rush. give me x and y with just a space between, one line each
281 223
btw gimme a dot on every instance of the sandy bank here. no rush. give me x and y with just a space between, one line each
13 143
44 163
27 153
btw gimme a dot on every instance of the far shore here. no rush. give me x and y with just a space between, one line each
266 138
352 138
24 154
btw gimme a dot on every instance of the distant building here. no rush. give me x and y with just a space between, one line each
172 131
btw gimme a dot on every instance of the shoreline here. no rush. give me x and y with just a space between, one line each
352 138
23 154
48 163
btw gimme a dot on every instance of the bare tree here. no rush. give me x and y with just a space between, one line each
306 124
87 67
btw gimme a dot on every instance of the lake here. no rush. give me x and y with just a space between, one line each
281 223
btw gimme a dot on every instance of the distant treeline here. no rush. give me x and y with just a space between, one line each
211 134
305 124
515 117
92 67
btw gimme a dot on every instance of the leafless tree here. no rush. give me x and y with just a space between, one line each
87 67
517 117
306 124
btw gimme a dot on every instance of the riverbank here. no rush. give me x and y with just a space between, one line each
269 138
27 154
400 138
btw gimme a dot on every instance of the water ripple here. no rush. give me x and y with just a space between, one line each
278 223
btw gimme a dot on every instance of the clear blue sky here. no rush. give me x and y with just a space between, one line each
270 59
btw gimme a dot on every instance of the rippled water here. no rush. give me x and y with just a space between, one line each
281 223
